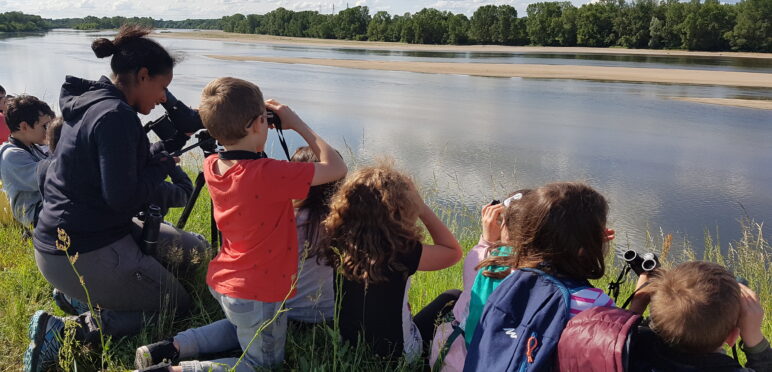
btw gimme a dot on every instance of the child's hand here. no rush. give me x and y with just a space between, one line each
289 119
491 222
609 236
751 317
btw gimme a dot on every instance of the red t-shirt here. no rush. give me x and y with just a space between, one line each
252 201
4 131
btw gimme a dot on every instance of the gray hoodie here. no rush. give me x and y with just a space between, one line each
20 183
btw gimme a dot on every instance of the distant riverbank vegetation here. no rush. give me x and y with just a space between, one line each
669 24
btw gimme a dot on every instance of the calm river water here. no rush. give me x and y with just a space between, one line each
676 166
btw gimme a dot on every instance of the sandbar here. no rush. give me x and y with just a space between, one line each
603 73
380 45
746 103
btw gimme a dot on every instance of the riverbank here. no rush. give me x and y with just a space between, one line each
604 73
381 45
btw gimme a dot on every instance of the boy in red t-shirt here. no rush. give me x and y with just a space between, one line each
252 196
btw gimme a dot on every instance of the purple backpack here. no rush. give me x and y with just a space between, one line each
597 339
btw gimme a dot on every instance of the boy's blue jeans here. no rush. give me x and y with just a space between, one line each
243 319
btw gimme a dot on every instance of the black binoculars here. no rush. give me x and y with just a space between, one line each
641 263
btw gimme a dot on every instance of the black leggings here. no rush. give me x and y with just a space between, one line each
427 319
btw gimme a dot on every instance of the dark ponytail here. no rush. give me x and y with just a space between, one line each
131 51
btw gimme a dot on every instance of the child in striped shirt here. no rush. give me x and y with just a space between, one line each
559 228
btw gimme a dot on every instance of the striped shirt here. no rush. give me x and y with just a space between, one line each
587 298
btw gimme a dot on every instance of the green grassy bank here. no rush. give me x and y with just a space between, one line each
23 290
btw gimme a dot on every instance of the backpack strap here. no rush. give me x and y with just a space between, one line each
457 331
558 283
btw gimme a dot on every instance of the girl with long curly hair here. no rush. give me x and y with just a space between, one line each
375 244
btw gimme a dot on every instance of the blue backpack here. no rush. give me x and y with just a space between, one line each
521 323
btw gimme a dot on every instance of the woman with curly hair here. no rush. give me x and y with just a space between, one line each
375 244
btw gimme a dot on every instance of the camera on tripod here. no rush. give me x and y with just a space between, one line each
175 125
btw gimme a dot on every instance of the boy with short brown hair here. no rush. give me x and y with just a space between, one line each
252 199
695 309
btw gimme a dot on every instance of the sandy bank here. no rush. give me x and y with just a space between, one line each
747 103
284 40
626 74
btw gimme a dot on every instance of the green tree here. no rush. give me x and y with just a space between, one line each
482 27
430 26
567 36
753 30
595 24
706 25
378 28
458 29
656 33
352 23
674 15
632 24
544 23
505 30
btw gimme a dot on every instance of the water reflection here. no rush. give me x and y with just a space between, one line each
681 166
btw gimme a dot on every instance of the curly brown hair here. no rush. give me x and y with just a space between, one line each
559 226
372 222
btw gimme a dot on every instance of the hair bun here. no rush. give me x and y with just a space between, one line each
103 48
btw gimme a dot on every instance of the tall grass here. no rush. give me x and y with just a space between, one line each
23 290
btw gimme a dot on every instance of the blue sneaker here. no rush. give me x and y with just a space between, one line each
45 333
69 305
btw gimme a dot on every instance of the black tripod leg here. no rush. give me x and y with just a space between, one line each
215 234
192 201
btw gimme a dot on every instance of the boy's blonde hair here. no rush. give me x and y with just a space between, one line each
227 105
695 306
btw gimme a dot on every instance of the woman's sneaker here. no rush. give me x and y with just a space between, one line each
162 351
69 304
45 333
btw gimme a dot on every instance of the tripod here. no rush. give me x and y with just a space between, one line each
209 147
215 234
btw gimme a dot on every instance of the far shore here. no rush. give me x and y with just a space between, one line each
603 73
380 45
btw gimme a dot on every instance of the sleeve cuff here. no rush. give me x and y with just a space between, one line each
484 243
761 347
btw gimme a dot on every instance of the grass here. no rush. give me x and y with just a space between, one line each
23 290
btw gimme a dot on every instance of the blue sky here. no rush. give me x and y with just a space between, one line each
181 9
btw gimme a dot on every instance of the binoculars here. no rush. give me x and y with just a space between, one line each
641 263
150 229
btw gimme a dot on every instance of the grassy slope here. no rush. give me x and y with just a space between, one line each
23 290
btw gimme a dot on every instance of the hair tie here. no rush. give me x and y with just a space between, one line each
512 198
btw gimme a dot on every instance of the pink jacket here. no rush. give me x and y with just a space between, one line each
454 361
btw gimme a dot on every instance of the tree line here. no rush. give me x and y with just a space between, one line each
20 22
668 24
664 24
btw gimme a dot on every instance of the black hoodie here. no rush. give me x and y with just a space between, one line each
102 173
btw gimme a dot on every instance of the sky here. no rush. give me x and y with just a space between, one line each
182 9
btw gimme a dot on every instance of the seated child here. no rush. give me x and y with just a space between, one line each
314 300
695 309
558 228
27 118
4 131
254 272
494 242
376 246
